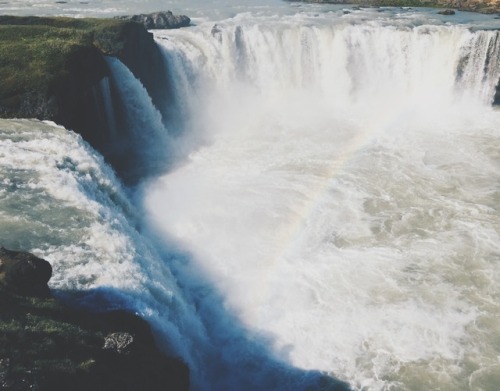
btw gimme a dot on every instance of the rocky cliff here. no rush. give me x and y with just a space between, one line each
55 69
45 346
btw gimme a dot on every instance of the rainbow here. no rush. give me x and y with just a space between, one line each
290 235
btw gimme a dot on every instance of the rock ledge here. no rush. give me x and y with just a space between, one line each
46 346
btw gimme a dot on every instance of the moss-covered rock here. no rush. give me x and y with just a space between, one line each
46 346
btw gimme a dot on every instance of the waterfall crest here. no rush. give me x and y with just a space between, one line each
341 64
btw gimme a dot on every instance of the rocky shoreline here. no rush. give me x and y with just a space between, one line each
47 346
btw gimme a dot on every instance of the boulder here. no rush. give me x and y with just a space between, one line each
159 20
446 12
24 273
120 342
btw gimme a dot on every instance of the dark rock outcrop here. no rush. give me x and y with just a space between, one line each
46 346
24 273
159 20
446 12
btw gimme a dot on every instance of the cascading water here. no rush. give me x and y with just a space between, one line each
345 200
61 201
146 141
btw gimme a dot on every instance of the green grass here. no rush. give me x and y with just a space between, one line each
34 51
41 334
47 346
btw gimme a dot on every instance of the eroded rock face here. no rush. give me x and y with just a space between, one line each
159 20
484 6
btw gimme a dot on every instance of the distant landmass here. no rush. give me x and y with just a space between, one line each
489 7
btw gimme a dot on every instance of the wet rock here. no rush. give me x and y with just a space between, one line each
446 12
118 342
217 32
216 29
159 20
25 273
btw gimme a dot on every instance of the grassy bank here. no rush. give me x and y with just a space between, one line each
35 53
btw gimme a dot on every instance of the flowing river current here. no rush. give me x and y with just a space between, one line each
332 208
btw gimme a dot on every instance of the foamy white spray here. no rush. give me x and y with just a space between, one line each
61 201
345 202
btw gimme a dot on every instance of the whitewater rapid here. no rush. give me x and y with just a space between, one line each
344 201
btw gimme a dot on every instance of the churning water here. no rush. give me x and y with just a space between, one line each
337 210
345 199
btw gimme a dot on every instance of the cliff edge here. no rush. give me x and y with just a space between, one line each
55 69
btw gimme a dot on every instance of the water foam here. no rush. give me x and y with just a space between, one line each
62 202
59 200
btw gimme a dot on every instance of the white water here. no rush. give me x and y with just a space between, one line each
345 202
60 200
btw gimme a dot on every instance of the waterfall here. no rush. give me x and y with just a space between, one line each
109 111
143 147
341 199
341 64
61 201
327 206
